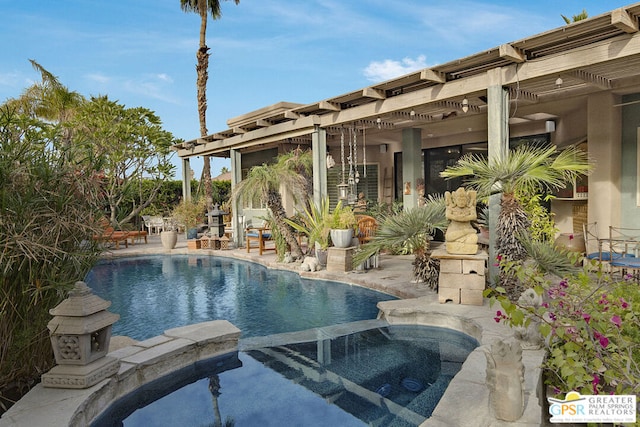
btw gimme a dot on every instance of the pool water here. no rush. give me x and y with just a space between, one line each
156 293
384 375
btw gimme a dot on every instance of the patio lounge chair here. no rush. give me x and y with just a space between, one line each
260 235
111 235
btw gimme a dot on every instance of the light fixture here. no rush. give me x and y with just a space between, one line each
379 122
465 105
383 148
559 81
412 114
550 126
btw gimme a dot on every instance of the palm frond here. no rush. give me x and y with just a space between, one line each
410 230
548 258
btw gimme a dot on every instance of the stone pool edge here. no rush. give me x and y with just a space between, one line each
140 363
466 399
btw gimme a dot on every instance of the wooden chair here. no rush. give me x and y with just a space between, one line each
260 235
367 227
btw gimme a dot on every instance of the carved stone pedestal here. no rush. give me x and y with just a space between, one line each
462 277
70 376
340 259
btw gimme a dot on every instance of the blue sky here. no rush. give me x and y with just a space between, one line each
142 52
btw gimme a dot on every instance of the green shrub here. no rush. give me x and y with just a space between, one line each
47 221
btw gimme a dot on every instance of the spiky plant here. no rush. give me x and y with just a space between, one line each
410 232
526 169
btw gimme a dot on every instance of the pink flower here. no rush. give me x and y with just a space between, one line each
604 341
616 320
586 317
594 383
570 236
624 304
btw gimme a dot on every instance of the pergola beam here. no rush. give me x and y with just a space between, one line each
621 19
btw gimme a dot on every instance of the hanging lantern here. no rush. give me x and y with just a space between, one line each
343 191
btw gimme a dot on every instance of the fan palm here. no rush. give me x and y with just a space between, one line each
204 8
263 183
526 169
410 231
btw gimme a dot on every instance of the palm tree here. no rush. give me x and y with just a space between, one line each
575 18
263 183
203 8
50 100
410 232
526 169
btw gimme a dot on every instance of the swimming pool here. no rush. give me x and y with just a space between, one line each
385 375
156 293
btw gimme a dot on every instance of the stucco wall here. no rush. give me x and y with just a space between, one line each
629 210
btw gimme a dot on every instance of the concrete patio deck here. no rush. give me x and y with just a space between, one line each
465 403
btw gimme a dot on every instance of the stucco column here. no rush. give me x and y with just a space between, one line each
236 177
319 152
186 179
498 138
411 166
604 145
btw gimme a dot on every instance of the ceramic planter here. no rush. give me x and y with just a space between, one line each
169 239
341 238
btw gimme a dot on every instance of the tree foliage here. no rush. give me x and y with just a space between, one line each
129 145
47 220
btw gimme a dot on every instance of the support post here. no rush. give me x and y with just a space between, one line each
186 179
411 166
498 141
319 150
236 177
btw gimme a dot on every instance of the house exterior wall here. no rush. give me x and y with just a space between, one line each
604 139
629 209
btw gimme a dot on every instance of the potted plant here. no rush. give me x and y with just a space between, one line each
190 213
343 221
314 223
169 234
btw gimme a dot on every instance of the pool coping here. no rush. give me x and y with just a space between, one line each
465 402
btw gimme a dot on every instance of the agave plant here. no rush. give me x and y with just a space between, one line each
410 232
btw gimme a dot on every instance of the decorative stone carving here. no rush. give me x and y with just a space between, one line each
80 333
505 379
461 237
529 336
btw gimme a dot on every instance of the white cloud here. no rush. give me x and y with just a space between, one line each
378 71
164 77
98 78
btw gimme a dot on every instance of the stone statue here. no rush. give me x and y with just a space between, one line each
505 379
529 336
461 237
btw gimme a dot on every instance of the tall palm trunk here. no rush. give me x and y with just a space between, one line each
202 70
274 202
513 221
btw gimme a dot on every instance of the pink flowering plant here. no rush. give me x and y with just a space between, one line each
590 324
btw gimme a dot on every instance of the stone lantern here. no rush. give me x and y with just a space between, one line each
216 222
80 332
